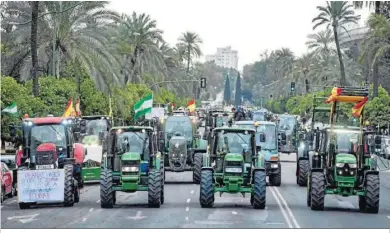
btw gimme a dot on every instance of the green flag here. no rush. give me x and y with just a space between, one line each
143 107
12 109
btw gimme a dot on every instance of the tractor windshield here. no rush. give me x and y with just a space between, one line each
234 142
287 123
258 116
132 142
95 126
179 124
270 137
345 141
47 133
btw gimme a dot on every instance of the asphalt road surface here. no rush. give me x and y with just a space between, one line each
286 208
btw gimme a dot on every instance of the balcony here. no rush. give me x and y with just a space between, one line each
352 36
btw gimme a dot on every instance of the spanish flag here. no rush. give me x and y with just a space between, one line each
78 111
358 108
69 110
191 105
335 92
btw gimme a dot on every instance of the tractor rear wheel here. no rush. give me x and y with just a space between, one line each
154 189
308 195
106 193
69 186
206 197
162 172
276 179
259 190
370 201
198 163
304 167
317 190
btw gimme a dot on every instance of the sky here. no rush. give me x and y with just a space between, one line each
249 26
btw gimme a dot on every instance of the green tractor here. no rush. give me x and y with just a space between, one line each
132 164
348 168
233 165
181 145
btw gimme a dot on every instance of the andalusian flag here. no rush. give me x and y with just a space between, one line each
191 105
78 111
12 109
69 110
143 107
358 108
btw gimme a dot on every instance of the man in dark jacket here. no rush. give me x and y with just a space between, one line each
237 115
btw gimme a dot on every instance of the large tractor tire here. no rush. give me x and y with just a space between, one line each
162 177
107 195
303 170
206 197
308 193
69 186
317 190
370 202
154 189
198 163
259 190
276 179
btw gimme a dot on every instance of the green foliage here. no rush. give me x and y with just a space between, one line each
377 110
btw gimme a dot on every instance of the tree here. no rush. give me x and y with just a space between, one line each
189 43
227 91
336 15
237 101
34 52
321 41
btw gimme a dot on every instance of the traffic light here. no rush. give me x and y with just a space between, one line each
292 86
270 96
202 82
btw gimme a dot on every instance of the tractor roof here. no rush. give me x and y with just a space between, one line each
230 129
133 127
46 120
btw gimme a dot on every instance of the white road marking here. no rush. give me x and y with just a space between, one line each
234 212
388 217
186 218
84 219
24 219
281 208
13 201
138 216
97 201
188 200
187 208
90 210
287 208
192 191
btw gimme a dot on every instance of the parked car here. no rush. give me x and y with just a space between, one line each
7 184
386 147
9 160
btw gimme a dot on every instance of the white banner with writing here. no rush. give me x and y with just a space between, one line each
41 185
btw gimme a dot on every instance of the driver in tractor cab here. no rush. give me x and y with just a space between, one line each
177 128
135 142
235 146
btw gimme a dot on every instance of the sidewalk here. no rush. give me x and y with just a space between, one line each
288 158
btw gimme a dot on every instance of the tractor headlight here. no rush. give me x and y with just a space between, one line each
233 169
274 165
352 165
339 164
130 169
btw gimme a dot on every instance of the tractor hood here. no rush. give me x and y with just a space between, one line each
131 156
345 158
46 147
91 140
178 143
234 157
268 154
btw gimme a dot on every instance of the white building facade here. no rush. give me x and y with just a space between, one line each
225 57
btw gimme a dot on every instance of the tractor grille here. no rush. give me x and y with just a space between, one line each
130 173
45 157
131 163
346 171
233 164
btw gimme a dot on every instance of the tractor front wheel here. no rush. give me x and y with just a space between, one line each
107 195
317 190
370 202
162 172
69 186
206 197
308 195
259 190
303 170
154 189
198 163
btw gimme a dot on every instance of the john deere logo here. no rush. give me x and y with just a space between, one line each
177 145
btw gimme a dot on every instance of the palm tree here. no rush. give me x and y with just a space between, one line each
191 42
336 15
321 41
34 52
140 37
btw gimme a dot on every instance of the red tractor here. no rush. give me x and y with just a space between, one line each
50 167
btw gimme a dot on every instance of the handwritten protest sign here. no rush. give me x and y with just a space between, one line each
41 185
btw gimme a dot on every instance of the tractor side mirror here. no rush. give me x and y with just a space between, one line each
262 137
83 126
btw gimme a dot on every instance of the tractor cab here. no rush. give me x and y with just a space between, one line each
214 119
288 125
94 129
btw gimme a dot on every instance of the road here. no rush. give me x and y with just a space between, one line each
286 208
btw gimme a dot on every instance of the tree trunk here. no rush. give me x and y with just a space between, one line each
342 69
34 49
377 7
188 59
375 74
